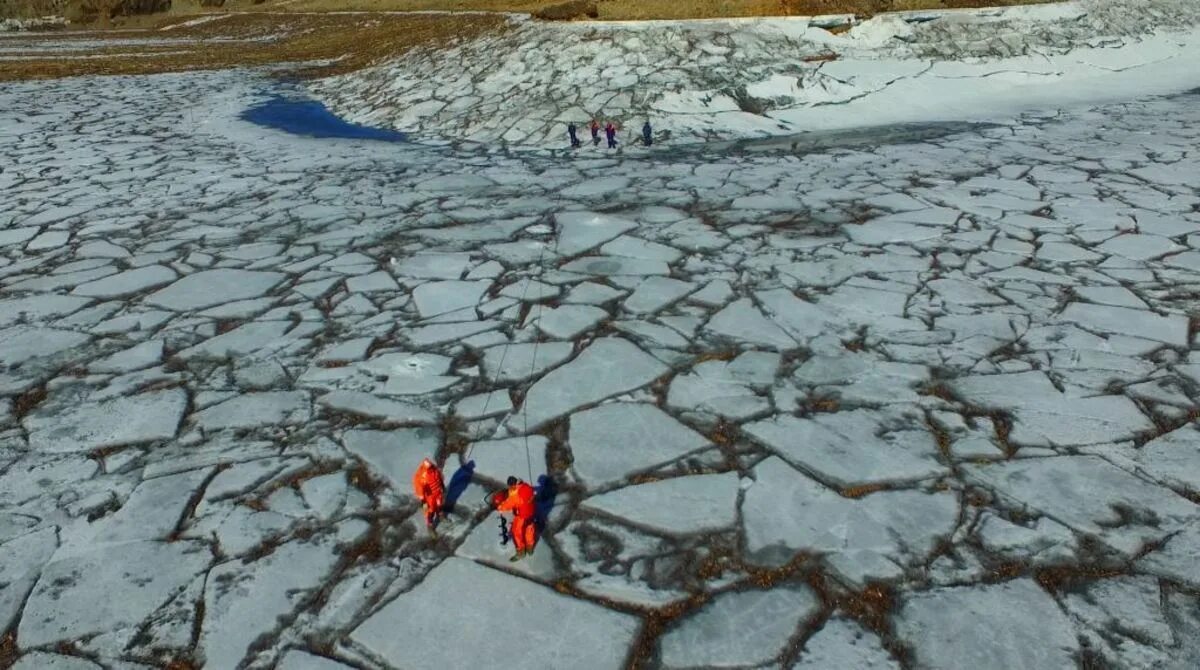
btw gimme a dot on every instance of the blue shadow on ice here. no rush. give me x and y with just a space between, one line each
459 482
544 496
312 119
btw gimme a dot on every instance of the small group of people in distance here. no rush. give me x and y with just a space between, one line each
610 133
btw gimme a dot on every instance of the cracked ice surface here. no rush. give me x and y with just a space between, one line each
862 402
740 79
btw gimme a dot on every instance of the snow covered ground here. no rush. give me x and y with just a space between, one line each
44 23
923 404
735 79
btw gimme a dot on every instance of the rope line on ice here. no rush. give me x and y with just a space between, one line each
532 361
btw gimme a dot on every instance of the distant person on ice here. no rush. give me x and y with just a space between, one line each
610 131
595 133
647 134
519 500
429 487
571 130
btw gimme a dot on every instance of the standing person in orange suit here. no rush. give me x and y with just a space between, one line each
429 487
519 501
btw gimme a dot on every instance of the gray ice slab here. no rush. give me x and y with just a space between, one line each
410 374
675 506
554 630
37 308
636 247
1130 602
1170 329
616 266
406 385
590 293
530 290
403 364
375 282
803 320
250 410
484 405
42 475
608 367
582 231
140 356
151 512
568 321
243 602
13 236
714 294
441 297
483 545
656 293
111 587
40 660
1088 494
1044 417
1139 247
517 362
21 561
726 388
22 343
652 334
295 659
1176 559
427 336
621 589
324 495
349 350
739 628
1118 296
1025 628
518 457
615 440
259 375
1173 459
254 339
432 265
861 539
842 643
853 447
127 420
127 283
1046 541
214 287
366 404
394 454
50 239
1067 422
880 232
741 321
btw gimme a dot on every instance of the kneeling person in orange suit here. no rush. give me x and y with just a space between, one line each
519 501
428 486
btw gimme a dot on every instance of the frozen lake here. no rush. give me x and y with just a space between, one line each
927 402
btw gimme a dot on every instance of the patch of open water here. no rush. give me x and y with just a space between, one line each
301 116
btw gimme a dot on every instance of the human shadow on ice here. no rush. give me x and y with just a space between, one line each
459 482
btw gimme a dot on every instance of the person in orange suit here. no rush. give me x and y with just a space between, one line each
429 487
519 501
